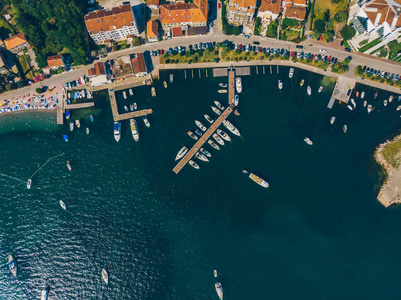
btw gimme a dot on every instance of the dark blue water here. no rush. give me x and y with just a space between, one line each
318 232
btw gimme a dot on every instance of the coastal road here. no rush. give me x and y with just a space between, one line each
215 35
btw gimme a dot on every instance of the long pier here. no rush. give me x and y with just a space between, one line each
79 105
118 117
209 132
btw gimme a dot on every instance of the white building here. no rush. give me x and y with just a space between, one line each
111 24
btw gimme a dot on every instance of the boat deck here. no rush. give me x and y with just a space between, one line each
208 133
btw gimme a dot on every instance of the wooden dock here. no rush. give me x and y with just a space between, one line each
60 116
209 132
199 143
129 115
79 105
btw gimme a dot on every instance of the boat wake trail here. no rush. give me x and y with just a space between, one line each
11 177
45 164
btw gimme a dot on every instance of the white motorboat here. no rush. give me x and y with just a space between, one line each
308 141
135 106
218 139
320 89
364 103
369 108
218 104
29 184
216 110
385 102
45 294
309 90
125 95
345 128
125 108
131 107
209 119
200 125
205 152
223 135
192 135
105 276
332 120
117 131
134 129
219 290
181 153
71 126
62 204
222 91
87 130
231 127
77 123
236 100
130 92
280 84
223 85
350 107
12 265
171 78
362 95
258 180
146 121
399 107
353 102
390 99
193 164
291 73
213 144
238 84
202 157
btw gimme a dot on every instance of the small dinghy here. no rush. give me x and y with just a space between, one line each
62 204
399 107
332 120
130 92
69 166
77 123
350 107
71 126
362 95
29 184
12 265
320 89
364 103
91 118
385 102
345 128
105 276
135 106
353 102
165 84
131 107
369 108
308 141
87 130
125 108
65 137
390 99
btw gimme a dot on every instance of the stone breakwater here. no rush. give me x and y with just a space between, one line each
390 192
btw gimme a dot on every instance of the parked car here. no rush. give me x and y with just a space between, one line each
196 47
397 77
219 5
246 36
348 49
299 46
322 51
158 52
256 43
349 92
364 69
271 50
170 50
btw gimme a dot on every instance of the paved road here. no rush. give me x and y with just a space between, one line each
215 35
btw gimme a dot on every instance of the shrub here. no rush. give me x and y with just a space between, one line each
39 90
167 61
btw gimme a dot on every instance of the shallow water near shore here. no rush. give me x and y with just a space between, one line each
318 232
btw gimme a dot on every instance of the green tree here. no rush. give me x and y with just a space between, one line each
347 32
39 90
340 16
258 26
320 25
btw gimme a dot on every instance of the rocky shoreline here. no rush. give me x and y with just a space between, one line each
390 192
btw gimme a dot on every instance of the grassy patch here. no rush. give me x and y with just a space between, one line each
370 45
392 153
190 57
394 49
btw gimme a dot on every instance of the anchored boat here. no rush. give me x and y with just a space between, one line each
350 107
385 102
216 110
12 265
291 73
259 180
62 204
77 123
193 164
345 128
280 84
105 276
190 133
320 89
29 184
302 82
213 144
165 84
146 121
65 137
332 120
171 78
231 127
309 90
362 95
117 131
91 118
71 126
134 129
181 153
68 166
209 119
219 290
45 294
369 108
218 139
308 141
200 125
223 135
364 103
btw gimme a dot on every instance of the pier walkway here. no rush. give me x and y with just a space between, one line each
79 105
119 117
208 133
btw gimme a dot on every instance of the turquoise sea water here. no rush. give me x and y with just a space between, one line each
318 232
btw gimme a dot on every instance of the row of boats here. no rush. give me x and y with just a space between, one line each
133 126
308 89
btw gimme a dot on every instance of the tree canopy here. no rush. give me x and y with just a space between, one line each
347 32
51 25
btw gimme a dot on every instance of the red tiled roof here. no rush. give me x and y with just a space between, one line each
295 12
152 28
91 72
55 61
139 64
99 68
15 41
244 3
183 12
270 5
153 2
105 20
177 31
374 8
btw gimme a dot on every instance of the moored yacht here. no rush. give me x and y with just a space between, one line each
291 73
309 90
280 84
205 152
181 153
198 132
209 119
135 106
218 139
308 141
238 84
231 127
146 121
216 110
125 95
219 290
259 180
134 129
223 135
218 104
200 156
130 92
192 135
391 98
131 107
222 91
117 131
213 144
236 100
200 125
12 265
193 164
